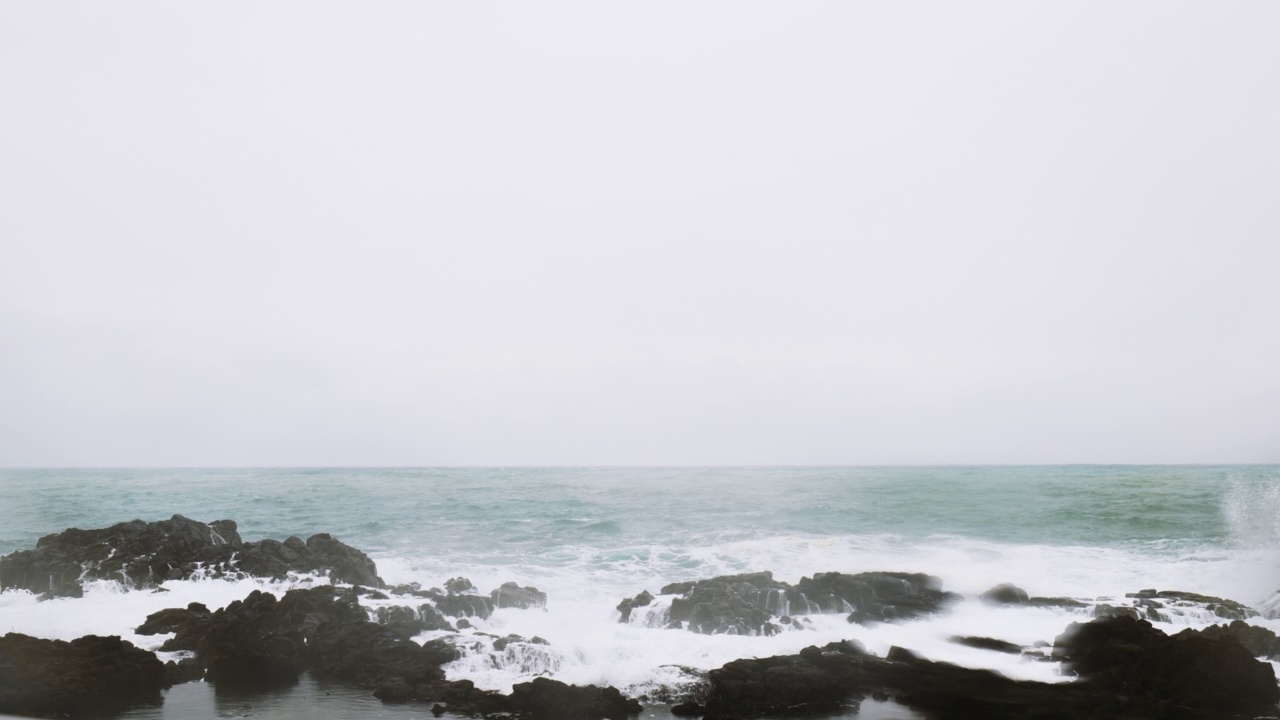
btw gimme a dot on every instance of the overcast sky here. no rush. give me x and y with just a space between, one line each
639 233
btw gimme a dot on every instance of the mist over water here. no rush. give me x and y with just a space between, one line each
589 537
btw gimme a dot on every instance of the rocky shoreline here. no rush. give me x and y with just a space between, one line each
1124 666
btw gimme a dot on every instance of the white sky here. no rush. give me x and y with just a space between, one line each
639 233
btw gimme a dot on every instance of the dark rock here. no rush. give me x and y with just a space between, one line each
688 709
1165 604
986 643
343 562
167 621
1259 641
91 676
502 643
746 604
463 624
143 555
1203 675
511 595
1056 602
1103 610
137 553
626 606
477 606
1127 669
458 585
733 604
440 651
395 690
877 596
185 670
1005 594
554 700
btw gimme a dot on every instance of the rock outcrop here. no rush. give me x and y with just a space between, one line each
91 676
141 554
1127 668
262 641
749 604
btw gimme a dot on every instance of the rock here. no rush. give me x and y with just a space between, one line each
167 621
1005 594
1104 610
343 562
512 595
458 585
1165 604
746 604
554 700
1127 669
143 555
626 606
477 606
1204 675
688 709
986 643
1259 641
1056 602
733 604
137 553
878 596
87 677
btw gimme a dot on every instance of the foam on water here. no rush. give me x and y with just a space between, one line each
589 538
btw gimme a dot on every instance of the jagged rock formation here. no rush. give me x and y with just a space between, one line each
141 554
748 604
91 676
261 642
1126 667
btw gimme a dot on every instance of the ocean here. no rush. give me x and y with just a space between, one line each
589 537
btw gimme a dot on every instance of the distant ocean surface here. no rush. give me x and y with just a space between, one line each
590 537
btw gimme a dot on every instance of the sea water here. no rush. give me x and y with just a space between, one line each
589 537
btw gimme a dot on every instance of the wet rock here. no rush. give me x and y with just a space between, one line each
459 606
878 596
168 620
986 643
688 709
1165 604
1005 594
747 604
511 595
626 606
407 622
1056 602
137 553
91 676
554 700
1203 675
1104 610
142 555
732 604
1259 641
458 585
1127 669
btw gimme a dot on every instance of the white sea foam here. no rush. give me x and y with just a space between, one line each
588 644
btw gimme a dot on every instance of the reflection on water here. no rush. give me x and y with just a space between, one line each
311 699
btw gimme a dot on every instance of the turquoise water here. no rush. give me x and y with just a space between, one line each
589 537
532 511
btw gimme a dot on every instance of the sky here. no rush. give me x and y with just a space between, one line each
659 233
